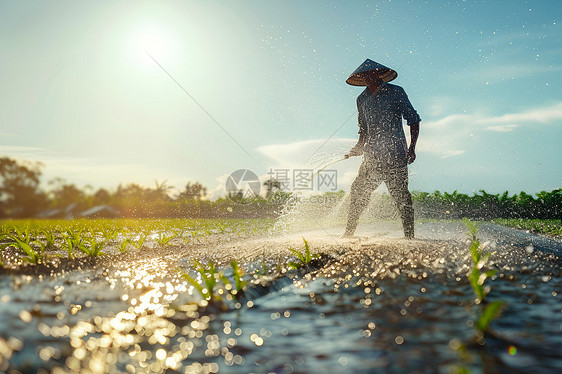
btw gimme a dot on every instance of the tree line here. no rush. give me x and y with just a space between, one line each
483 205
21 196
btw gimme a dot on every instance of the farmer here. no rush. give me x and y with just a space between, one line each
381 107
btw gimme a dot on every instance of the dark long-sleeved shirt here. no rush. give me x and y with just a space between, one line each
380 121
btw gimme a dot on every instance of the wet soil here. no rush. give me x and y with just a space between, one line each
370 304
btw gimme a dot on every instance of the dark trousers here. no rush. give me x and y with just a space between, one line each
368 179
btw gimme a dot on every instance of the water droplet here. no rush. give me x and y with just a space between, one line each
25 316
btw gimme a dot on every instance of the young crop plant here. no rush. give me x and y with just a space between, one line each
263 270
178 233
165 240
206 233
72 240
214 283
22 240
94 247
50 238
239 283
303 258
110 235
210 277
478 277
194 235
124 244
138 244
33 255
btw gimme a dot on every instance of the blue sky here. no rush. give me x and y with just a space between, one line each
80 94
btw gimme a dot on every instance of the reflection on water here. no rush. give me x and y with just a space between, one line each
376 305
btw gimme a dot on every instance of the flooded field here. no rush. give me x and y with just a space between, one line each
372 304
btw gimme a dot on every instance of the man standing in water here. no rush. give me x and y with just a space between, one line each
382 143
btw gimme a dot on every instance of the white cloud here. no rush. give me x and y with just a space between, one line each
449 136
502 128
544 115
443 147
24 152
219 190
451 120
308 153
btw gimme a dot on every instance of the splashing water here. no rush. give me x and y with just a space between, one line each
299 212
307 210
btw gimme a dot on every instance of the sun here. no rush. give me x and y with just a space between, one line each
153 40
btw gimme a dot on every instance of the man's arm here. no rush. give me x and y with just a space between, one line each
357 149
414 133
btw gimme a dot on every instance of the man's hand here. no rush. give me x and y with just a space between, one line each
411 155
355 151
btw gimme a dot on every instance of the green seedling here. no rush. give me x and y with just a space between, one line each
491 312
50 238
34 256
303 258
110 235
94 247
124 244
138 244
240 232
5 230
211 288
194 236
210 277
207 233
238 272
165 240
263 270
478 276
220 227
72 240
23 240
178 233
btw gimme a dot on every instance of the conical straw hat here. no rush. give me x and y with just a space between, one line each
387 74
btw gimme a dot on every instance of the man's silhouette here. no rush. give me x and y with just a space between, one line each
381 107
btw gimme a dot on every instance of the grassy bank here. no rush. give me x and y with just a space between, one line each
549 227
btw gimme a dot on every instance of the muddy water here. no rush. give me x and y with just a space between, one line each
376 303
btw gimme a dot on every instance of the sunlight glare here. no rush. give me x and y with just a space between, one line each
155 41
